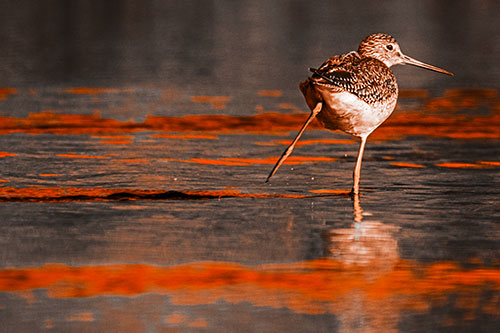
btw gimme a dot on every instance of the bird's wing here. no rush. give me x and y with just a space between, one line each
368 78
336 71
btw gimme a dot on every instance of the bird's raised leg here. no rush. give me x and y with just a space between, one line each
289 150
357 169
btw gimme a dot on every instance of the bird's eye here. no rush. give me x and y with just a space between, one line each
389 47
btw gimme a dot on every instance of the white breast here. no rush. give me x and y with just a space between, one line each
346 112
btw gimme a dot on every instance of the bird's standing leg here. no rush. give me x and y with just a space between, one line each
357 169
289 150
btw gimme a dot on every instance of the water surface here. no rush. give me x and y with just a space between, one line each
133 154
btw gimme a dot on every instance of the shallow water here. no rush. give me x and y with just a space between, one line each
132 202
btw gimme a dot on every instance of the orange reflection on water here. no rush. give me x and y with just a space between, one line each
205 161
288 106
81 316
81 156
185 136
292 160
96 91
175 319
456 99
463 165
113 137
313 287
270 93
439 117
116 142
307 142
178 318
4 92
492 163
66 194
407 165
332 191
413 93
5 154
51 122
132 160
216 102
456 126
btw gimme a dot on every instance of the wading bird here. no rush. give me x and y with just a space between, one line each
355 92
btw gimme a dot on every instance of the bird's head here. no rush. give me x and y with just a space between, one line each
385 48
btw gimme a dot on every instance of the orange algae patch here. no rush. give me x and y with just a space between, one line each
297 286
407 165
96 91
5 154
81 156
306 142
270 93
4 92
462 165
216 102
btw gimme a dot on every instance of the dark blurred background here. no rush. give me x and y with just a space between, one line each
245 43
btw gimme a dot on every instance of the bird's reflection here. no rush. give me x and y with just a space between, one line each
366 243
358 211
368 251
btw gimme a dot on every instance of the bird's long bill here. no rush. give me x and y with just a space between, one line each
414 62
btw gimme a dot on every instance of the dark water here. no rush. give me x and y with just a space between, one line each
135 139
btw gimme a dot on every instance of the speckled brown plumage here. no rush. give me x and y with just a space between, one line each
367 78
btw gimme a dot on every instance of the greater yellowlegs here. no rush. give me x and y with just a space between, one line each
355 92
